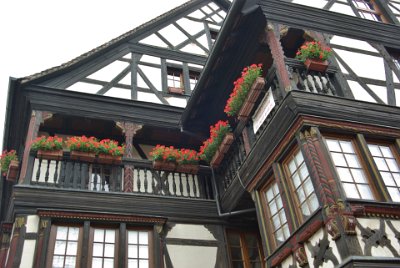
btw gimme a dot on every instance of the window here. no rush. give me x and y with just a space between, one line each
103 247
301 183
349 169
388 168
276 213
64 243
245 250
103 251
138 249
368 10
193 78
174 77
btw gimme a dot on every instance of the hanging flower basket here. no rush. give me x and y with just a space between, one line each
83 156
164 165
316 65
109 159
50 155
12 172
251 99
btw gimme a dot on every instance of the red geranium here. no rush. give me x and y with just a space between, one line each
217 134
313 50
241 88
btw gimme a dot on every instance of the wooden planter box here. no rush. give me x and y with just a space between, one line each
188 168
83 156
316 65
109 159
222 149
12 173
251 99
176 90
164 165
50 155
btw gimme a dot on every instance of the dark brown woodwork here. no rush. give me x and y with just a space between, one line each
6 229
16 244
42 243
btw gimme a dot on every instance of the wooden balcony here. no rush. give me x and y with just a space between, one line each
95 177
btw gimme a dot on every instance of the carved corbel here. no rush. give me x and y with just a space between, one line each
300 255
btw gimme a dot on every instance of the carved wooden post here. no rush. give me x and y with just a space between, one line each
278 56
130 130
17 242
6 229
42 243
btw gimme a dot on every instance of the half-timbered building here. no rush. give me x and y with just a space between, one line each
311 179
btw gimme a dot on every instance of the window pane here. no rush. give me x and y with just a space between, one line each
305 210
110 236
333 145
374 149
70 262
236 253
387 178
350 190
270 194
344 174
73 233
299 158
143 252
347 147
386 152
296 180
276 221
132 263
58 262
393 167
272 206
108 263
132 237
365 192
59 247
301 195
98 235
352 160
303 171
381 164
97 262
394 194
109 250
313 202
338 159
308 187
72 248
234 239
132 251
292 167
143 264
97 249
62 233
143 238
358 175
396 177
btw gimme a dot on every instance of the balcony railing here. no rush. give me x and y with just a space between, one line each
95 177
301 79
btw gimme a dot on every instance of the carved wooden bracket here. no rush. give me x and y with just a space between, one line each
300 255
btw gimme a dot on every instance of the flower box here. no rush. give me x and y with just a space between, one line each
12 172
188 168
176 90
164 165
50 155
109 159
316 65
83 156
251 99
222 150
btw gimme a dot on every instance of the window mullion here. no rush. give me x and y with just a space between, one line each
373 169
122 243
85 244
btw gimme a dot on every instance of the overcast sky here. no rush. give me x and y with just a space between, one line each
40 34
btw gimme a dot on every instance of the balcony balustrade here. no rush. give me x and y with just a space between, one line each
95 177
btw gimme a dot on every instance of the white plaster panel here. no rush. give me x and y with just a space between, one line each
289 261
28 253
192 256
374 223
32 224
313 241
190 231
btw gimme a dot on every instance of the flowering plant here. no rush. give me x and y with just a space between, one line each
313 50
188 157
164 153
47 143
217 134
83 144
241 88
110 147
6 158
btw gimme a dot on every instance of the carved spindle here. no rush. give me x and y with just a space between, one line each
187 185
118 179
38 170
316 84
103 180
55 177
62 173
68 174
84 176
153 183
146 183
167 191
330 85
138 180
194 186
95 178
174 183
47 174
180 184
324 87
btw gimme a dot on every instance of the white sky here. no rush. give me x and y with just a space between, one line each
37 35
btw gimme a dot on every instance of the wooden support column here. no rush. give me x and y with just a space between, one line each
42 243
130 130
33 129
6 229
17 243
278 56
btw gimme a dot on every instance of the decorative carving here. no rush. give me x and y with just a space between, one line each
322 252
19 222
300 255
349 223
376 238
333 229
394 230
